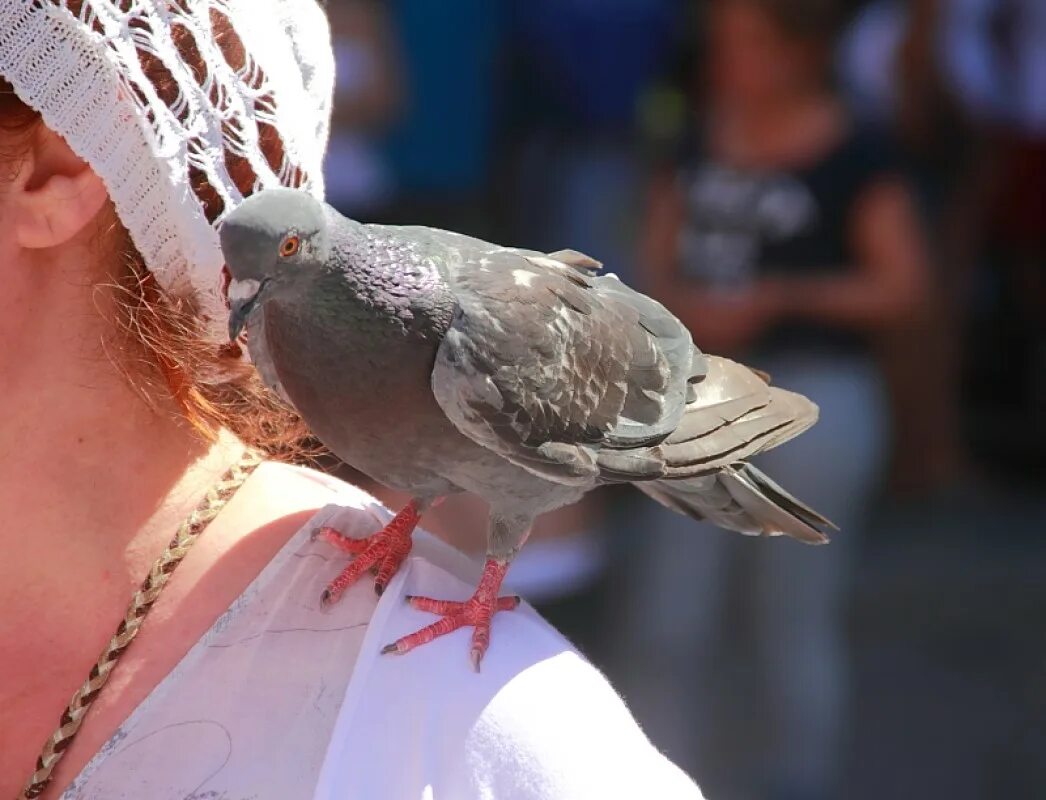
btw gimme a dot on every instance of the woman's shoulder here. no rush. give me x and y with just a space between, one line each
309 486
539 721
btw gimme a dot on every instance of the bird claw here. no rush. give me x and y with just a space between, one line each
476 612
382 553
347 543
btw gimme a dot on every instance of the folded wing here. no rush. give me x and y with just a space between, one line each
579 378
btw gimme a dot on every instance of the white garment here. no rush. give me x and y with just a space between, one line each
273 702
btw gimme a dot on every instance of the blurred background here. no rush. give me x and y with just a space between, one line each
849 195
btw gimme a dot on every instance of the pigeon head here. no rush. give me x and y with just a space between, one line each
270 241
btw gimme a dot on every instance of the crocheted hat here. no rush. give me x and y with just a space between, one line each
234 71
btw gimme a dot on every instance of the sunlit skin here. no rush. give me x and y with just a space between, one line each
94 480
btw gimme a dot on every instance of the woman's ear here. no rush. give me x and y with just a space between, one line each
55 194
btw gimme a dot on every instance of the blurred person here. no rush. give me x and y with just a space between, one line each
367 96
786 236
889 80
127 418
992 59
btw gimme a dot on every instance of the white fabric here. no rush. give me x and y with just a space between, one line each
83 72
280 700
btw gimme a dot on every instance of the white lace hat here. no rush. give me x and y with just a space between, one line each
234 72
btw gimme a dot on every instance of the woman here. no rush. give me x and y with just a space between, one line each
124 137
784 236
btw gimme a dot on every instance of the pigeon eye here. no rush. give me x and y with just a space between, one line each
290 246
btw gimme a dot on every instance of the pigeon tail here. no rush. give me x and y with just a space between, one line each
741 498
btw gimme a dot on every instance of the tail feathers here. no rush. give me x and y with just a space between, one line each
741 498
752 418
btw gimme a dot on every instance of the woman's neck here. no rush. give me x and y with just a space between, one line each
789 133
93 483
87 470
91 497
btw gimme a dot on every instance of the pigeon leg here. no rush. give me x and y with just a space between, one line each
384 551
347 543
475 612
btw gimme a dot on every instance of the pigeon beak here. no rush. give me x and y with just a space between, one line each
243 298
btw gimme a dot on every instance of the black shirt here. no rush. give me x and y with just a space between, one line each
744 224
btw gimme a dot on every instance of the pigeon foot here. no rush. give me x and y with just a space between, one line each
476 612
383 552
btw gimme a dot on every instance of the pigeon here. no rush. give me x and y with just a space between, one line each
437 363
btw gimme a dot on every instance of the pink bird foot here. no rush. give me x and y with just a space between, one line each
477 612
383 552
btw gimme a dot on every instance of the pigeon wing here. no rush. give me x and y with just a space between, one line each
569 375
732 414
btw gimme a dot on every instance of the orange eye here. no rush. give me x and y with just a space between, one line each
290 246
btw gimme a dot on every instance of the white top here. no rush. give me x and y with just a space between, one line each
280 700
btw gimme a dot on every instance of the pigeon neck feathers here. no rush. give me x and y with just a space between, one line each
386 279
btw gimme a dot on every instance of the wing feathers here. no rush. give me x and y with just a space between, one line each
577 260
577 377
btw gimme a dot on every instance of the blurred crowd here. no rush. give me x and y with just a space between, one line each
850 196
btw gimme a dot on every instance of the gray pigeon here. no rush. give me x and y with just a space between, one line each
437 363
